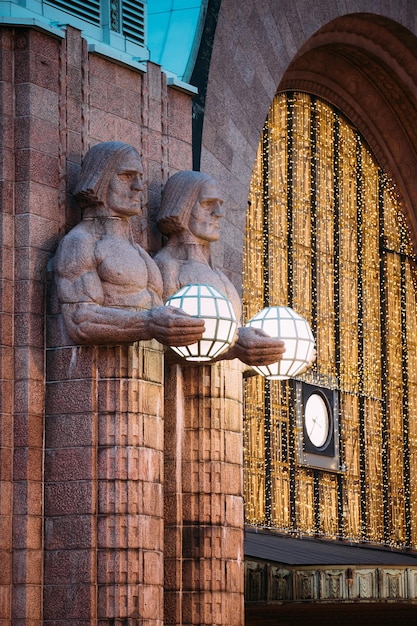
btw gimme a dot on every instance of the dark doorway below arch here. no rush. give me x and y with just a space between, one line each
346 614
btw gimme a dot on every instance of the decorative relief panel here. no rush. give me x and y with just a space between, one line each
393 583
306 587
365 584
412 584
266 582
280 584
332 584
256 576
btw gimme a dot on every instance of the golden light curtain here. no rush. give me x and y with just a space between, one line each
326 231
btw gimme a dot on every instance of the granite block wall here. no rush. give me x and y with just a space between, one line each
256 42
81 430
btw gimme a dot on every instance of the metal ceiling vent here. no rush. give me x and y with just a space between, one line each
127 17
88 10
133 21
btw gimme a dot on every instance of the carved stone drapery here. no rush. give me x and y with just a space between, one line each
328 584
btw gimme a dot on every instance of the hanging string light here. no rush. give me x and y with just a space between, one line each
365 321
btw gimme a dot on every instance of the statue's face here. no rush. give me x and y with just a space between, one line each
123 193
206 214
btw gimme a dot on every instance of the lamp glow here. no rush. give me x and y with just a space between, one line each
206 302
284 323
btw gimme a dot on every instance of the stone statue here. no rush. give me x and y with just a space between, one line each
109 288
190 216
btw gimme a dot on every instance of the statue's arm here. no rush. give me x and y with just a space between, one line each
89 321
254 347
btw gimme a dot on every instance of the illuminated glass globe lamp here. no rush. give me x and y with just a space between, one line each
282 322
207 303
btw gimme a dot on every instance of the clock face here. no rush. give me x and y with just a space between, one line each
317 420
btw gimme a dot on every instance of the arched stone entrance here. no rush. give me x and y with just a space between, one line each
367 67
364 63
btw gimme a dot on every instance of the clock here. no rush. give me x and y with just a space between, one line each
317 425
317 420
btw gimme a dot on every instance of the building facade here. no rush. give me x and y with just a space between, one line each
121 485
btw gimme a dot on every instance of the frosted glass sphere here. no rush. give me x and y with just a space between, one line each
216 310
282 322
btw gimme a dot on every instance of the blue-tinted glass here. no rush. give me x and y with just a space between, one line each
159 6
174 29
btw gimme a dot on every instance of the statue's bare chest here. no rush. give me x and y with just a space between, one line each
121 263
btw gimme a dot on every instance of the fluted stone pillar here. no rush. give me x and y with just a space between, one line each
203 495
103 485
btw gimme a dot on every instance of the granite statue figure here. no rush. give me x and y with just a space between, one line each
109 288
189 215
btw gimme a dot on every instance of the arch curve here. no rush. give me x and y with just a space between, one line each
364 63
368 69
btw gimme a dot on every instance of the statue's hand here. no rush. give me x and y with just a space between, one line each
173 327
255 347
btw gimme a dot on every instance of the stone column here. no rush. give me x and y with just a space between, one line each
130 498
7 278
103 485
203 495
29 171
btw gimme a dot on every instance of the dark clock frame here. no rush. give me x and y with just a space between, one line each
327 449
326 456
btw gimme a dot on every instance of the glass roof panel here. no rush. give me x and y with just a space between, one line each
174 31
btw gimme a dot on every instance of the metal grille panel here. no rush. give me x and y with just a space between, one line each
84 9
133 21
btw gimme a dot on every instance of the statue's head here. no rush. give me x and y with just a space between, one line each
99 166
179 196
